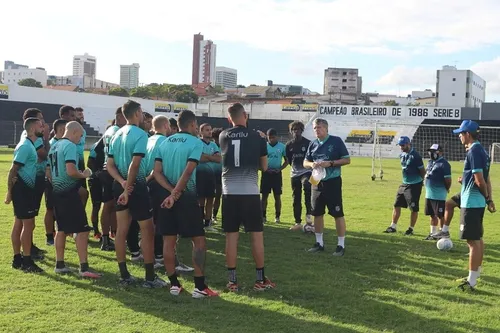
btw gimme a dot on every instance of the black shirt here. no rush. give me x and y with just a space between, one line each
295 154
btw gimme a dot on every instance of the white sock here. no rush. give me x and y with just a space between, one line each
319 238
341 241
446 228
472 279
394 225
433 229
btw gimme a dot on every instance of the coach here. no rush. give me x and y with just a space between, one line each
328 152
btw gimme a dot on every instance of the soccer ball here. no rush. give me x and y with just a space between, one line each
444 244
308 228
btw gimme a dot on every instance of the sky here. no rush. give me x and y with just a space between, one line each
396 45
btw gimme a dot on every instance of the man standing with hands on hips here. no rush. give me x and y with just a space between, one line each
327 152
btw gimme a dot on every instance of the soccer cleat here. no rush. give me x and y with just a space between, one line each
183 268
232 287
465 286
277 220
176 290
49 242
339 251
156 283
316 248
107 247
409 232
430 237
136 257
17 264
390 230
157 265
128 281
207 292
36 249
31 268
63 270
441 234
97 235
90 274
309 219
296 226
264 285
159 259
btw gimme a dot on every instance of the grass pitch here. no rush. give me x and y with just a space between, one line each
384 283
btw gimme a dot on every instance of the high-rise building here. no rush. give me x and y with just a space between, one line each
84 65
204 59
343 81
129 76
459 88
226 77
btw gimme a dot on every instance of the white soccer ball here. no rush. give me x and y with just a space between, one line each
308 228
444 244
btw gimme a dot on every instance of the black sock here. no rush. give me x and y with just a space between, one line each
123 270
199 282
18 257
231 272
174 282
207 222
202 210
260 274
50 237
84 266
60 264
105 239
215 212
150 271
27 260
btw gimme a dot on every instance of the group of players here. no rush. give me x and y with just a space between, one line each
475 194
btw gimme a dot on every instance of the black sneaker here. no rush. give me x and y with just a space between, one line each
339 251
36 256
17 264
36 249
128 281
465 286
430 237
409 232
316 248
31 268
390 230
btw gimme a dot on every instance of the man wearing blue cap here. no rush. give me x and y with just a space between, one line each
408 195
474 197
437 185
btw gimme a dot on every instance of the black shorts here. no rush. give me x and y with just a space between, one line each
243 210
434 208
183 218
271 182
39 190
70 213
139 205
218 183
24 200
95 187
107 186
328 193
456 199
49 195
408 196
155 194
471 223
205 184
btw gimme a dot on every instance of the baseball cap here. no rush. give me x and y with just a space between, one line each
403 140
435 146
467 126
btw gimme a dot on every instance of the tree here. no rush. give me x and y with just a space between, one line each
155 90
391 102
240 86
141 92
30 83
186 96
118 91
219 89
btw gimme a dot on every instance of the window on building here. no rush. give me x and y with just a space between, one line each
452 94
467 80
454 79
466 95
344 80
344 87
344 73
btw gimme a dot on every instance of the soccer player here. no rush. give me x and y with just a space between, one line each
59 127
205 175
295 154
95 164
174 170
69 209
21 191
272 179
125 164
408 195
328 152
244 152
148 123
218 176
437 186
108 214
174 129
84 193
474 198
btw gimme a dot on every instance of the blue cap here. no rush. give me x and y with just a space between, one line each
467 126
403 140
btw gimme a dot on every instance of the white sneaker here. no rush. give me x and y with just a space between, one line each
182 268
309 219
158 265
277 220
175 291
64 270
136 257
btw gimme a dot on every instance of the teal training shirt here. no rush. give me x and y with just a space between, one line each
437 172
81 145
209 148
152 150
129 141
26 158
40 165
175 152
275 155
62 152
411 163
108 135
476 161
331 149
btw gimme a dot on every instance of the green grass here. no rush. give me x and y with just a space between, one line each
384 283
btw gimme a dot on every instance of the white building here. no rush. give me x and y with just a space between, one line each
344 81
226 77
423 93
208 55
84 65
459 88
14 75
129 76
